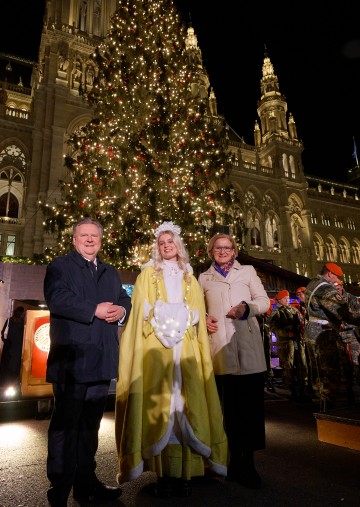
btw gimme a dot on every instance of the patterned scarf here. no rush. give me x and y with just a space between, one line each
224 270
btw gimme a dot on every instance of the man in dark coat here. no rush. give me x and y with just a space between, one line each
87 303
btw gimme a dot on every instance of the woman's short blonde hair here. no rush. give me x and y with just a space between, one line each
221 235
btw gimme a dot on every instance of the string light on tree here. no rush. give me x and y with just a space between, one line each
152 152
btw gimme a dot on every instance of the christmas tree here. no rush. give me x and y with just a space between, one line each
153 150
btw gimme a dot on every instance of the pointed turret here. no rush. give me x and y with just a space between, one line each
192 48
201 84
276 136
292 127
272 106
257 134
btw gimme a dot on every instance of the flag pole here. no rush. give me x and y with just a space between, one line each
355 153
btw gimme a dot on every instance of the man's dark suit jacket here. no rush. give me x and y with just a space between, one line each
83 348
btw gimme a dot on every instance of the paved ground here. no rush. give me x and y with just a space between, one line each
297 469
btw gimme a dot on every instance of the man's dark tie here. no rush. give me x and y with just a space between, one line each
93 268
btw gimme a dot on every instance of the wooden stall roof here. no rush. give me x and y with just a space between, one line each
273 277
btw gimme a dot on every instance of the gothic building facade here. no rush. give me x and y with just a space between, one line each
293 220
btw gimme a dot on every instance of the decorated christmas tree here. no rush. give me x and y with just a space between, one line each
153 150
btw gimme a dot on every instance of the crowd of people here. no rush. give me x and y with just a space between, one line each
318 339
191 356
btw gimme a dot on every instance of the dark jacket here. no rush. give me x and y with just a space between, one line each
83 348
10 363
286 320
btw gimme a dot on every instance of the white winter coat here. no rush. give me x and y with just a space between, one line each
237 347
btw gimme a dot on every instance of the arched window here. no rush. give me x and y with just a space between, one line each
296 230
255 237
292 167
271 232
319 247
344 251
355 249
9 206
13 169
285 165
331 249
253 226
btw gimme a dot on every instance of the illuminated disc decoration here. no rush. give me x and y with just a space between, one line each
42 337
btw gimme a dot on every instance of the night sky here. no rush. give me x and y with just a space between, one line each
316 56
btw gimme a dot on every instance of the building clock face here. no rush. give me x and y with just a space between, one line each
42 337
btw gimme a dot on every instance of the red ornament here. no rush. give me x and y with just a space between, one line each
171 183
199 154
81 204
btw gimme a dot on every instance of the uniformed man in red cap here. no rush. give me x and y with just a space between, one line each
287 323
349 355
327 310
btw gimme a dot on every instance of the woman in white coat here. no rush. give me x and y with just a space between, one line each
234 295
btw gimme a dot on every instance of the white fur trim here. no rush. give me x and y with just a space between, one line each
130 475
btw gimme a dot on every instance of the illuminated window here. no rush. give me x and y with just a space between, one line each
10 245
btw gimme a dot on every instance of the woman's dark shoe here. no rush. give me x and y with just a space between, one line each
56 498
246 477
249 478
163 487
182 488
270 386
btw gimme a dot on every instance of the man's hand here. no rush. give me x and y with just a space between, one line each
211 324
114 313
109 312
102 309
237 312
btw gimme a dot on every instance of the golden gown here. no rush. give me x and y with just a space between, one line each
162 392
